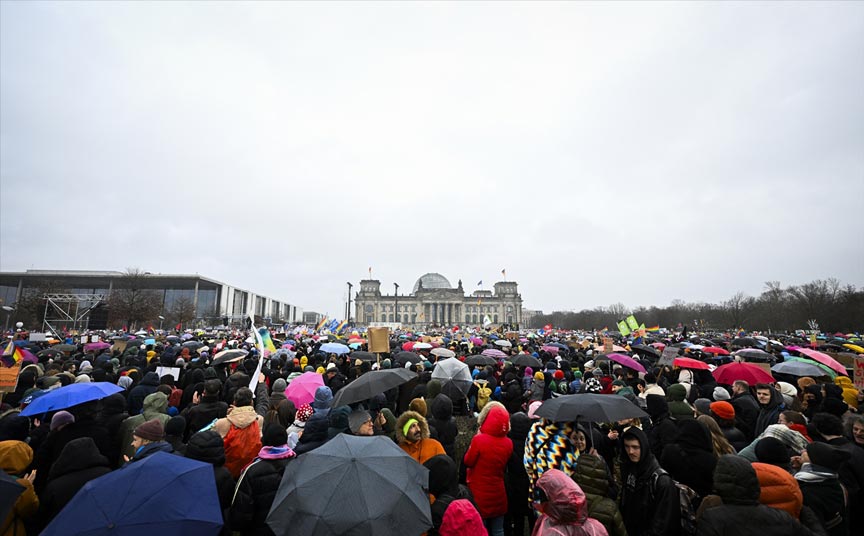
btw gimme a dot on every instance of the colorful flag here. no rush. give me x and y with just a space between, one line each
11 355
631 323
622 327
178 327
653 328
341 326
332 325
266 340
321 323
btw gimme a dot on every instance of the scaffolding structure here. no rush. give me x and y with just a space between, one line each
68 312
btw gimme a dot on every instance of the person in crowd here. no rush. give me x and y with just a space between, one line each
148 438
548 446
679 408
649 497
360 423
205 408
663 428
445 489
854 429
208 447
746 409
516 479
779 489
444 424
155 407
724 413
770 406
15 457
412 435
821 487
563 508
690 458
830 428
486 461
141 391
719 442
592 476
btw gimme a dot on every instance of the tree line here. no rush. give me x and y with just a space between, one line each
834 307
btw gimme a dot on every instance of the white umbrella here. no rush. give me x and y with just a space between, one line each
451 370
422 346
504 343
443 352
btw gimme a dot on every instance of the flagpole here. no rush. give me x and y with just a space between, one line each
253 383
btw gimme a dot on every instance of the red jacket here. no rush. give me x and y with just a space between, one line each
486 459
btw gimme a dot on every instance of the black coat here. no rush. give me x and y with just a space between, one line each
746 413
690 459
662 433
141 391
53 445
444 424
649 497
826 499
78 463
735 437
511 396
515 476
254 496
203 413
769 413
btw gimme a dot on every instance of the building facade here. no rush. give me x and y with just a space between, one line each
434 302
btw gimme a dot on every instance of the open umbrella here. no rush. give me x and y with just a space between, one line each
526 360
753 354
363 356
589 407
688 363
551 349
744 342
480 361
334 348
443 352
371 384
624 360
70 395
825 359
50 352
162 494
96 346
193 345
422 346
301 390
503 343
10 489
715 350
405 357
65 347
750 373
855 348
648 350
798 368
229 356
494 353
451 370
352 486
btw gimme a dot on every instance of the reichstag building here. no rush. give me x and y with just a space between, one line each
435 302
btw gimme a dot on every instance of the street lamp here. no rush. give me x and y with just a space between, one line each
161 319
8 315
348 308
396 300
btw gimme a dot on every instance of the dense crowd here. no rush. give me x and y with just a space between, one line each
697 457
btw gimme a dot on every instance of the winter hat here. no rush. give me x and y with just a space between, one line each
303 413
151 430
274 436
772 450
86 367
125 382
357 418
279 385
61 419
656 406
323 398
539 376
577 373
619 383
703 406
824 455
332 366
720 393
14 427
558 374
805 381
592 385
723 410
82 378
320 370
407 426
418 405
589 364
175 426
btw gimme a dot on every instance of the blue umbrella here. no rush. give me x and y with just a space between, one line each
162 494
70 395
334 348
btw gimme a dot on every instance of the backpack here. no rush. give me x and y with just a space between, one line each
483 394
686 499
241 447
176 396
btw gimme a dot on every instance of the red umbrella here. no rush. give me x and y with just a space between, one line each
750 373
408 346
714 350
825 359
686 362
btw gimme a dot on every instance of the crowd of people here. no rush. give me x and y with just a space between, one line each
784 457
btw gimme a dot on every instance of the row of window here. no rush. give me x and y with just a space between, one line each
412 319
413 308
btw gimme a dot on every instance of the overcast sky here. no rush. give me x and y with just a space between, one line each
600 153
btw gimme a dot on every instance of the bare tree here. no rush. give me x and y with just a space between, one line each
738 309
131 302
182 311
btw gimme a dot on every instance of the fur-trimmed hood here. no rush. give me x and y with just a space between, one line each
400 424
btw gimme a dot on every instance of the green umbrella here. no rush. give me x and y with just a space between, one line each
825 368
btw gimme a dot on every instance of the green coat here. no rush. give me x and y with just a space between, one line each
591 476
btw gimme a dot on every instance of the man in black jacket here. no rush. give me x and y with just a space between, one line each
649 497
138 393
205 409
663 428
746 408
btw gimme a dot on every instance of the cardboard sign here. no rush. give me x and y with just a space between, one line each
379 340
858 376
9 377
172 371
607 345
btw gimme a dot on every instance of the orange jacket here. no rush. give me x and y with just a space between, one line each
779 489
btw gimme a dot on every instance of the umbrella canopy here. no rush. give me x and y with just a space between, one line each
525 360
70 395
172 338
686 362
625 361
451 370
301 390
744 342
798 368
405 357
162 494
65 347
825 359
363 356
752 354
642 349
443 352
229 356
855 348
193 345
494 353
10 489
422 346
824 368
352 486
96 346
551 349
371 384
50 352
752 374
715 350
503 343
480 361
589 407
334 348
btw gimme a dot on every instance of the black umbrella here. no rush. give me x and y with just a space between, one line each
363 356
744 342
229 356
65 347
370 384
480 361
589 407
193 345
752 354
641 348
404 357
525 360
353 485
10 489
50 352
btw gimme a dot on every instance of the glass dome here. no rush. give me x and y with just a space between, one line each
432 280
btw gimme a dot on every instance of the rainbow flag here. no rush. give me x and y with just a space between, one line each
653 328
340 326
267 340
11 355
321 323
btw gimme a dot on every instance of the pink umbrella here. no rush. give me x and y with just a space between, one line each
550 349
752 374
301 390
659 345
96 346
28 357
493 352
626 361
825 359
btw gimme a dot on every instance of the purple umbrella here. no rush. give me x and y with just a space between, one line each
626 361
492 352
301 390
550 349
96 346
27 357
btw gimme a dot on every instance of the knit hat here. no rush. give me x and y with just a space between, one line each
805 381
279 385
303 413
577 373
834 406
357 418
824 455
331 366
418 405
720 393
539 376
703 406
175 426
532 409
151 430
320 370
558 374
274 436
723 410
772 450
619 383
656 406
60 419
82 378
407 426
323 398
787 389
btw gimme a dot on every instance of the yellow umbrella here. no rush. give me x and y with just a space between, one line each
854 348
